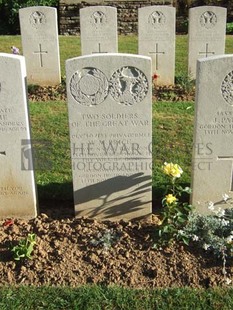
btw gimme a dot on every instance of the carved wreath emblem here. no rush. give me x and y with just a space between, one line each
37 19
128 85
208 19
89 86
157 19
227 88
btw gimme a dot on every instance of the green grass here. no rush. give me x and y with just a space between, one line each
49 124
97 298
172 125
172 141
70 47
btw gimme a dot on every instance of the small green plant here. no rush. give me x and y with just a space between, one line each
175 214
185 82
105 240
213 232
32 88
24 248
229 28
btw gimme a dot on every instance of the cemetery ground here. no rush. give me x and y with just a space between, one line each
74 252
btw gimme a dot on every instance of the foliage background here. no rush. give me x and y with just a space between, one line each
9 10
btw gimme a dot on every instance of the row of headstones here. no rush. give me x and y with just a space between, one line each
98 25
109 104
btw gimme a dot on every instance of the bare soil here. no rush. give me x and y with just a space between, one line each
71 251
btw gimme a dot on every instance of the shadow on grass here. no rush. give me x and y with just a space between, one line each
56 200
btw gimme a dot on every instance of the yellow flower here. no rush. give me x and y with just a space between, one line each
172 170
170 199
160 223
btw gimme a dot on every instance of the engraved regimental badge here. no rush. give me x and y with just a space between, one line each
98 19
37 19
208 19
157 19
128 85
89 86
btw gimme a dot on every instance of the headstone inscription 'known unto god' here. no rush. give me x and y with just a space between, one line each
109 104
207 28
156 38
39 35
98 29
17 185
212 178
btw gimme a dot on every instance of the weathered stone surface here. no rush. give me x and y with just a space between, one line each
156 38
17 184
39 35
207 28
213 134
109 103
98 30
127 14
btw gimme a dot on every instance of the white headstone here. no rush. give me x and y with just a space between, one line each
17 185
213 138
207 28
39 35
156 38
109 103
98 29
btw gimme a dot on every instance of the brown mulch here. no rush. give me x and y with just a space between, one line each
71 251
173 93
160 93
47 93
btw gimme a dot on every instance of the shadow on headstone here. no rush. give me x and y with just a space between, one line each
115 206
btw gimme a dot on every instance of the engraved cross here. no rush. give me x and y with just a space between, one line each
40 52
228 158
206 52
157 52
99 51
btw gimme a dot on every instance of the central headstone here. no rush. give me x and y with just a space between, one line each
207 29
109 103
156 38
39 35
98 28
17 184
213 139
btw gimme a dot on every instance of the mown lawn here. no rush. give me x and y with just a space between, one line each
114 298
172 141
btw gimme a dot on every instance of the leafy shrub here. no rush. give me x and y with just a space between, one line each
9 10
229 28
174 214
